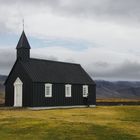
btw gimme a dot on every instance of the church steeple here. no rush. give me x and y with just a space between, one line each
23 48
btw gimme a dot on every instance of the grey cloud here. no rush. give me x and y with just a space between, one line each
125 12
101 64
7 59
31 2
128 70
116 10
98 70
125 71
3 27
42 56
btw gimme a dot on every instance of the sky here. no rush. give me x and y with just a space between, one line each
102 35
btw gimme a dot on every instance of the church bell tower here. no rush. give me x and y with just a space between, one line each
23 48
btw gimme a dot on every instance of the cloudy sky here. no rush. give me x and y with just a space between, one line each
102 35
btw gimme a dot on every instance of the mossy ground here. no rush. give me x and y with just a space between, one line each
100 123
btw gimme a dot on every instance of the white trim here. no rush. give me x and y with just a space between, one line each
18 89
48 85
67 90
59 107
85 90
18 81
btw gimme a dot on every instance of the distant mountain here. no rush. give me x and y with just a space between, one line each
2 79
106 89
119 89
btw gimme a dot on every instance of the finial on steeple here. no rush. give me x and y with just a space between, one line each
23 23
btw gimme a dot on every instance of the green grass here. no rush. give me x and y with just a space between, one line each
100 123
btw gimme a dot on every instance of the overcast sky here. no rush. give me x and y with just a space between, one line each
102 35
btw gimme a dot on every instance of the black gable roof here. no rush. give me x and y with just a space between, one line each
56 72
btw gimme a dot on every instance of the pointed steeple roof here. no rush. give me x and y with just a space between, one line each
23 42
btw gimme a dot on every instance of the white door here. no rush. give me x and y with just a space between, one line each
18 93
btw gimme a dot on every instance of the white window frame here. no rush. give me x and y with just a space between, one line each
48 85
85 90
68 90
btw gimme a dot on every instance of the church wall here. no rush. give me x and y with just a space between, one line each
58 95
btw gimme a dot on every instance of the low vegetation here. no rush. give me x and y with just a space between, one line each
100 123
117 100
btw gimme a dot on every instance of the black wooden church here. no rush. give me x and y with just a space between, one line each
44 83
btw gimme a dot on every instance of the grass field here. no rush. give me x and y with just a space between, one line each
100 123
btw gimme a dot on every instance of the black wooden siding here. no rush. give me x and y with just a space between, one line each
58 95
23 54
18 71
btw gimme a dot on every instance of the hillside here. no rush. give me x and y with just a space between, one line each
2 79
119 89
106 89
1 88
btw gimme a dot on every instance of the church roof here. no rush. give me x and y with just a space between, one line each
56 72
23 42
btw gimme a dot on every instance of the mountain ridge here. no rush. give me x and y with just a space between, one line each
2 79
118 89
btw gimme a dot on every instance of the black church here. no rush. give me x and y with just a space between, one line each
45 83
